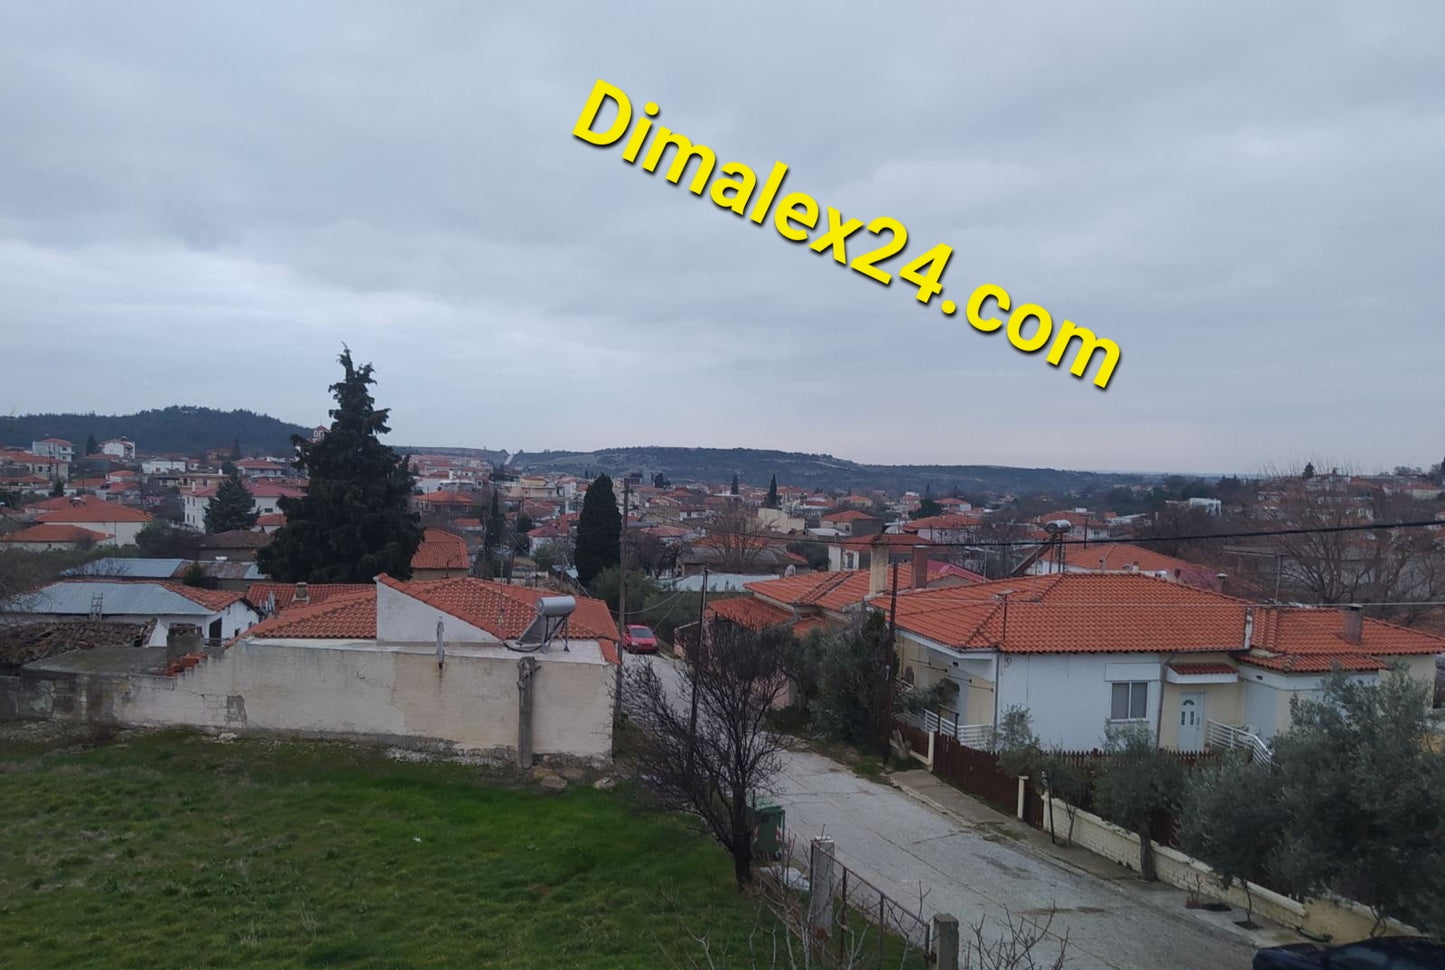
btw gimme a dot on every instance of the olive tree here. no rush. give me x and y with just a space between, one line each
1138 783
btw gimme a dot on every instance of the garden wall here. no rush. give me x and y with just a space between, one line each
1339 921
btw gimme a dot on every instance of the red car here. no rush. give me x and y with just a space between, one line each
639 639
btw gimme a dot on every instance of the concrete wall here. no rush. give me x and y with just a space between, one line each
1341 921
364 691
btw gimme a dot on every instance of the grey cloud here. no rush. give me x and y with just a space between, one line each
1243 197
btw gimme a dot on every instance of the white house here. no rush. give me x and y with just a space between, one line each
1080 651
265 498
119 523
118 448
54 448
163 466
220 614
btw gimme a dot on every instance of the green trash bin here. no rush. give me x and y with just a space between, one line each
767 828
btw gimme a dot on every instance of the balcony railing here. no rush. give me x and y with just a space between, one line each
1234 737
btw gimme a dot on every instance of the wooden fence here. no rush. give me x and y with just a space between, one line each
976 771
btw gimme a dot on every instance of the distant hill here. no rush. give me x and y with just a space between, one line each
755 467
182 429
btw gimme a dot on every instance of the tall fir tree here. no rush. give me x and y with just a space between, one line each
355 519
599 531
91 445
231 507
733 490
771 501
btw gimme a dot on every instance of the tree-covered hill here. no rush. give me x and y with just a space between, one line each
755 466
184 429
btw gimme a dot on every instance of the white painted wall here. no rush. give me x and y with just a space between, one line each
1069 695
402 619
361 688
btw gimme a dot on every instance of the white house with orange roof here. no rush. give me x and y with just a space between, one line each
1081 651
120 524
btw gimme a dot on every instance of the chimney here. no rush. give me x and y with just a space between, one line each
920 567
303 594
877 568
1219 579
1354 625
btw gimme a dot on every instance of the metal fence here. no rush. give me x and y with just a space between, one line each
843 920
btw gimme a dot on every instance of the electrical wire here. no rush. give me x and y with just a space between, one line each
1128 540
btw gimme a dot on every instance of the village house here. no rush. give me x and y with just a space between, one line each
1123 557
119 524
50 538
1080 651
122 448
458 665
265 500
441 555
220 614
54 448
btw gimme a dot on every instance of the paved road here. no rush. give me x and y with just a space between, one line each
973 872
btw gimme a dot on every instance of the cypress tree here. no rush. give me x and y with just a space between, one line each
734 489
599 531
354 520
231 507
91 445
772 499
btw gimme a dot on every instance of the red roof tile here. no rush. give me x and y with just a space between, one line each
1119 613
285 593
1202 669
101 511
746 611
343 615
503 611
47 532
441 550
849 515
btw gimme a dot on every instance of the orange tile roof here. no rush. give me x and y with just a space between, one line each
1195 670
104 512
749 612
340 615
67 502
47 532
272 518
839 590
441 550
211 599
1121 613
1294 663
285 593
503 611
1116 556
849 515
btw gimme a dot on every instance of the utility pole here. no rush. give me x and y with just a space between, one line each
692 717
622 588
622 557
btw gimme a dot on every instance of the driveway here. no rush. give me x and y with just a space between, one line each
973 871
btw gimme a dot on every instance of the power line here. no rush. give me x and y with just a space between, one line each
1129 540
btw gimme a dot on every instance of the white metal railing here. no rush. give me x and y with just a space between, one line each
1238 737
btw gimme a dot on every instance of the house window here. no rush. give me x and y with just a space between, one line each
1130 701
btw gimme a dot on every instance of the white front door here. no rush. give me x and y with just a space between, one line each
1191 721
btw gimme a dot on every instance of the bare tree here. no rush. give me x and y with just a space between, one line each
1362 565
705 745
735 534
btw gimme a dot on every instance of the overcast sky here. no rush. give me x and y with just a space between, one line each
199 203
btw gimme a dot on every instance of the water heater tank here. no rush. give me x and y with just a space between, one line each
556 605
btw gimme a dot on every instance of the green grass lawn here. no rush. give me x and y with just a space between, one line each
172 850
